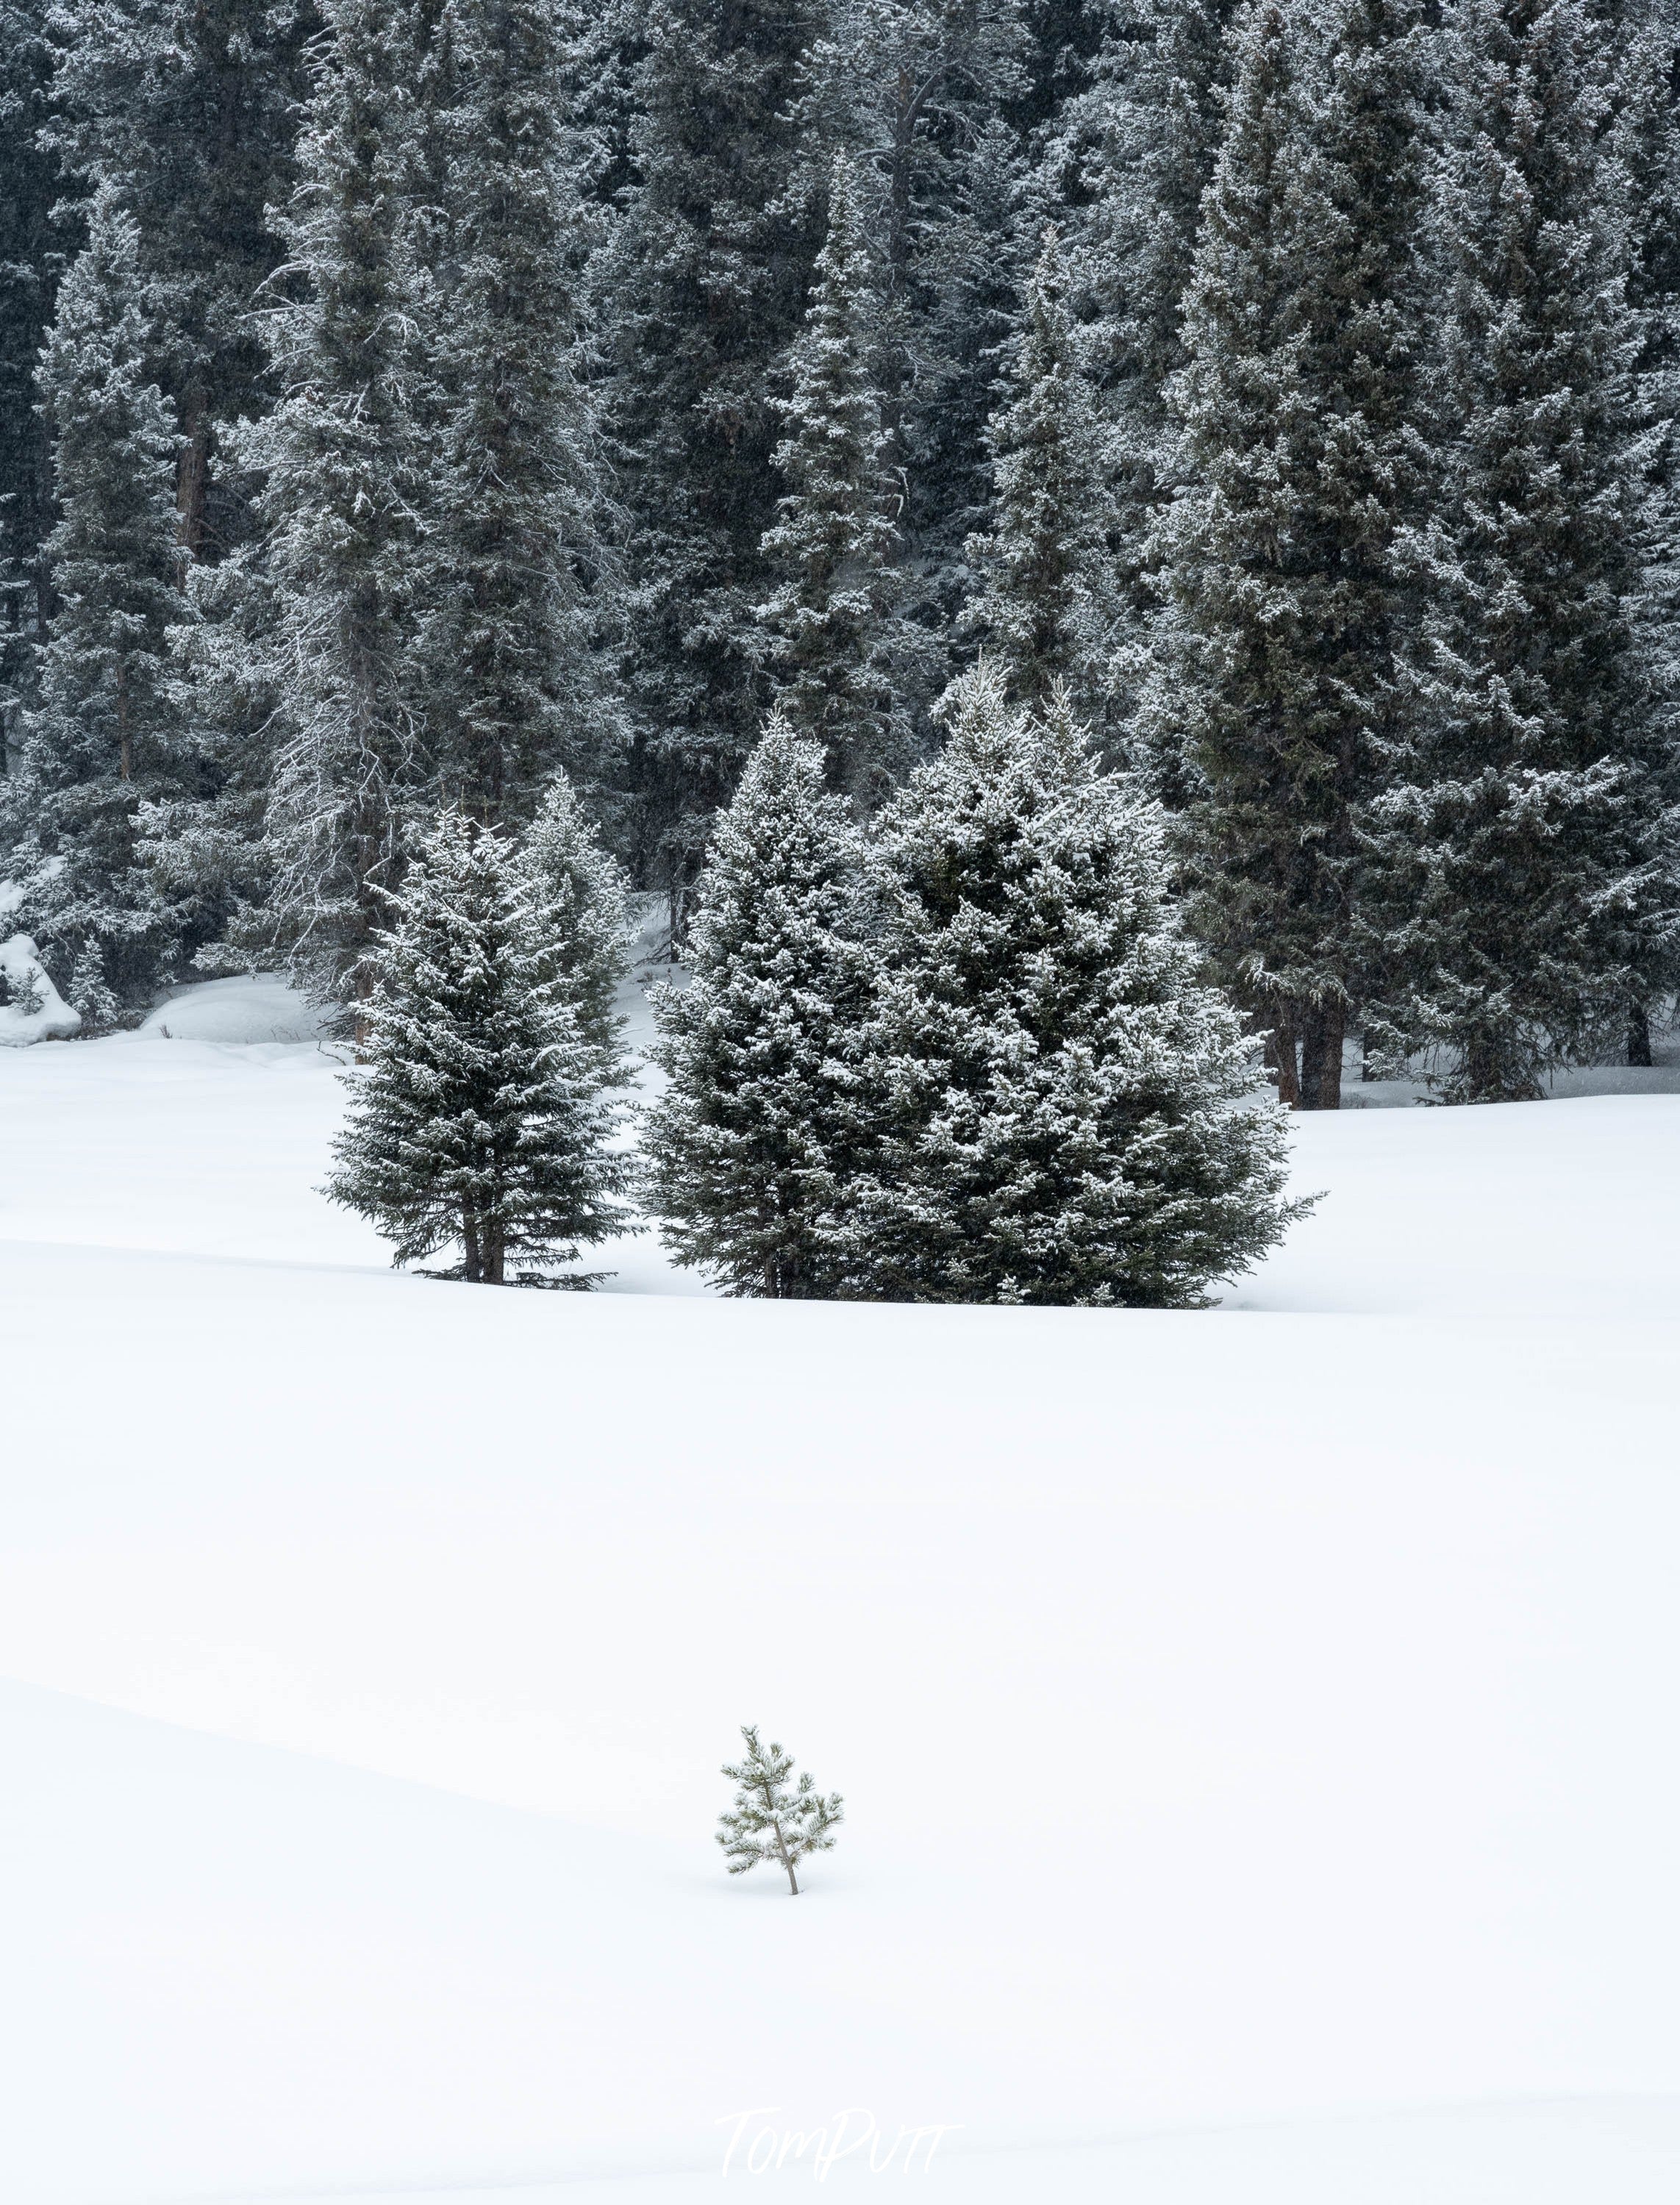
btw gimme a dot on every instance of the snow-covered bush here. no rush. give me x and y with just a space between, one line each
30 1008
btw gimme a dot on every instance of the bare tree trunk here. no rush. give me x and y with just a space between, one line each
786 1859
1639 1036
1322 1029
1281 1059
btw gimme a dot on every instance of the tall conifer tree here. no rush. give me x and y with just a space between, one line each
1041 606
188 109
525 575
1302 324
345 460
930 98
106 735
581 909
1135 150
709 274
840 655
31 257
1528 896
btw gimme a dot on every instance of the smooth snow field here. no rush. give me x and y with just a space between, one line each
1257 1725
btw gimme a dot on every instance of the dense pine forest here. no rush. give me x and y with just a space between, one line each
1250 427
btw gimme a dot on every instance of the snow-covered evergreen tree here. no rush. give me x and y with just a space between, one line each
31 255
188 110
1056 1097
348 465
106 735
1040 608
516 650
707 278
840 655
751 1146
928 98
773 1820
1137 148
1647 149
1522 888
1303 323
480 1122
581 907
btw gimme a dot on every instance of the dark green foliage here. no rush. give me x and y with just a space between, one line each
188 109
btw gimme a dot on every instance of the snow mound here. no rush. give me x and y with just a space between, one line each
263 1007
33 1010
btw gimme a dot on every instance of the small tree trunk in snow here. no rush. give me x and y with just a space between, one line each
1639 1036
1281 1061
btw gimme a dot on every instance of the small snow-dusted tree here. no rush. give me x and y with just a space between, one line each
479 1121
1058 1103
772 1819
750 1144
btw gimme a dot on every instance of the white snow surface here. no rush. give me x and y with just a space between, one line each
261 1006
1254 1723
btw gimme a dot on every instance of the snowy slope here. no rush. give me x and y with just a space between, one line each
1246 1718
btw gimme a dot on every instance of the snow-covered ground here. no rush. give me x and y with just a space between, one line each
1255 1725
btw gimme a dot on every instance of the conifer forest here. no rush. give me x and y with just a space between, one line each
1082 557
